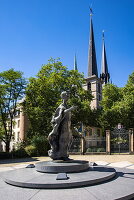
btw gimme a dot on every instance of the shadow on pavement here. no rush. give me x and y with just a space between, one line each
18 160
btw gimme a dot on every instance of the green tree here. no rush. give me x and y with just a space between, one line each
12 86
109 117
43 96
111 94
126 105
118 105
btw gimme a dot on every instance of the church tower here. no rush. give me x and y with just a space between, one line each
93 83
104 76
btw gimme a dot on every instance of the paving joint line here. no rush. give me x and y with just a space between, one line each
34 195
91 193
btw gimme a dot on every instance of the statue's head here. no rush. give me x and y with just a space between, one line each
65 95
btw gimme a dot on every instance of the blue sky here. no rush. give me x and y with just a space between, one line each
32 31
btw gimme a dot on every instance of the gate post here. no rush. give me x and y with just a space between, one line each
108 142
82 146
131 137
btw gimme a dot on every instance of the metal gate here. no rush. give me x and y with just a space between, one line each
120 141
75 145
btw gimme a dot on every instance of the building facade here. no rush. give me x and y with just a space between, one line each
20 128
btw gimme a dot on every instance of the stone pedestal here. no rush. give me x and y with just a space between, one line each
59 166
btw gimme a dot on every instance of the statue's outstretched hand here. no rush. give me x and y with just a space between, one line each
70 109
73 107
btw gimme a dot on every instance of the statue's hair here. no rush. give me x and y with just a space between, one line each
64 93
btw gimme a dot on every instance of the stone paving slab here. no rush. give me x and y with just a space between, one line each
14 193
69 194
120 187
2 169
130 167
8 192
20 166
104 163
106 158
122 164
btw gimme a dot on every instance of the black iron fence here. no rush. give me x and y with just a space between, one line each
75 145
95 144
84 145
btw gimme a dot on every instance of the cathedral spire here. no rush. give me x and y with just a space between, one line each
105 76
75 63
92 63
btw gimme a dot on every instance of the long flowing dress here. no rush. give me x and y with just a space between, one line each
61 134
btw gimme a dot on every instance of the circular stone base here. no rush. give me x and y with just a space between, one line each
30 178
62 166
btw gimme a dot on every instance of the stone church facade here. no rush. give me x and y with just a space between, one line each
94 82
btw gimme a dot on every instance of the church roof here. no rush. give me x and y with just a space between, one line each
75 63
104 66
92 63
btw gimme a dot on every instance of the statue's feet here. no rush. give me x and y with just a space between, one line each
62 159
66 159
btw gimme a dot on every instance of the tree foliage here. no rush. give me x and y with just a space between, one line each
118 105
12 86
43 96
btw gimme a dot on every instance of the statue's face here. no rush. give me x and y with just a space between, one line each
65 96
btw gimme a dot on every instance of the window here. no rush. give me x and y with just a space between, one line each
89 86
18 112
18 136
13 136
98 132
88 132
14 123
99 88
99 98
18 124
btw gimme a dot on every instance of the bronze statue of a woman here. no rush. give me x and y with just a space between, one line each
60 136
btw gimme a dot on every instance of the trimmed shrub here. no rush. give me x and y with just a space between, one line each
101 150
5 155
89 150
19 153
41 144
95 149
31 150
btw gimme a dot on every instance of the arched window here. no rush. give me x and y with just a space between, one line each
89 86
99 90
